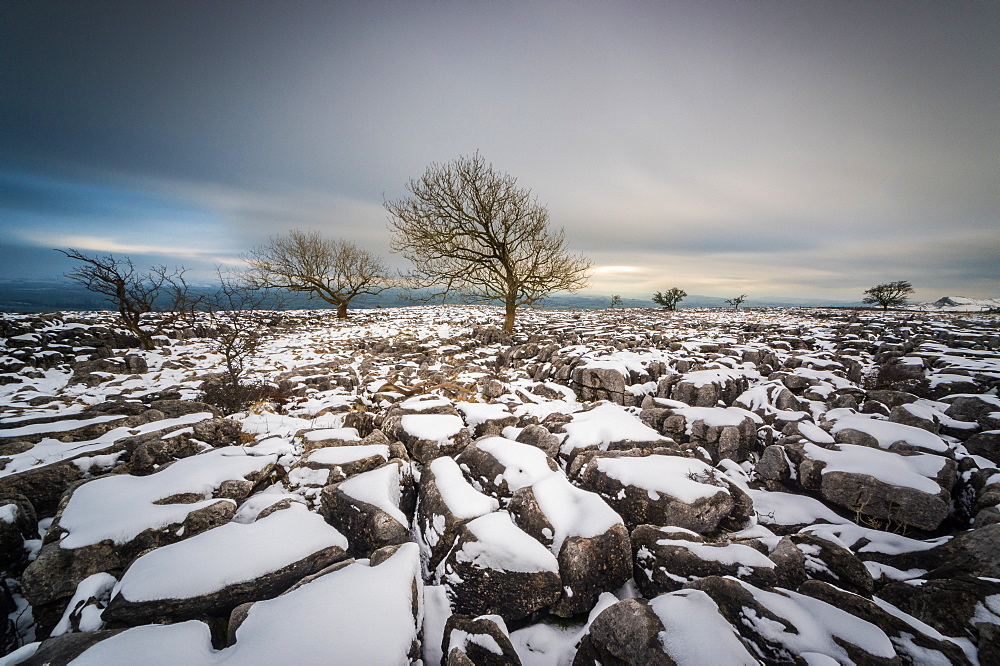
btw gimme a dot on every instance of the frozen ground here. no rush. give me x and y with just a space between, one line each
701 486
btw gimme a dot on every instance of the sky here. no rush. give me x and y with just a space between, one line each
778 149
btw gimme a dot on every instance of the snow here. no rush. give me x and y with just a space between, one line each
119 507
380 488
667 475
695 633
717 416
776 508
571 510
814 624
503 546
887 433
434 427
155 644
728 554
229 554
98 586
464 501
477 413
814 433
8 513
421 403
340 455
346 434
523 464
606 423
916 471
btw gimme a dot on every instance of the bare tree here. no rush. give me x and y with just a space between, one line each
238 331
736 302
148 302
469 229
334 270
670 299
616 300
890 294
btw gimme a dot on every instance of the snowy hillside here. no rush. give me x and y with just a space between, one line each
958 304
415 486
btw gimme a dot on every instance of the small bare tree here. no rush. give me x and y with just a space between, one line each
616 301
237 330
148 302
670 299
469 229
736 302
889 295
334 270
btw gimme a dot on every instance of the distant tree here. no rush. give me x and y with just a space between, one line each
148 302
736 302
334 270
890 294
616 301
470 229
670 298
237 329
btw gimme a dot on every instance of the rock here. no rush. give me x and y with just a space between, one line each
661 490
103 524
486 419
238 563
367 509
779 626
626 633
218 432
496 568
985 444
832 563
909 491
17 523
971 407
482 640
43 486
913 416
668 630
790 564
666 559
540 438
428 426
956 607
912 642
774 467
593 384
587 537
444 503
332 464
497 466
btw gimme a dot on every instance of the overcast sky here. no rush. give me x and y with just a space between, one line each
798 149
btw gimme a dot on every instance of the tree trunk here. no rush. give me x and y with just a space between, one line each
508 322
342 310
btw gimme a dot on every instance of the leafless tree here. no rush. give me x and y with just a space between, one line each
670 298
736 302
616 300
469 229
149 302
889 295
238 330
334 270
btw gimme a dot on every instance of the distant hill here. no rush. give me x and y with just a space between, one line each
45 296
958 304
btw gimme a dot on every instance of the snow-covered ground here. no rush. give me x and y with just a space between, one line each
704 485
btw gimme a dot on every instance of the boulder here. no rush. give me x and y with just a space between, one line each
780 625
429 427
833 563
587 537
238 563
667 558
17 523
497 568
683 627
902 490
498 466
367 508
444 503
482 640
956 607
663 490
